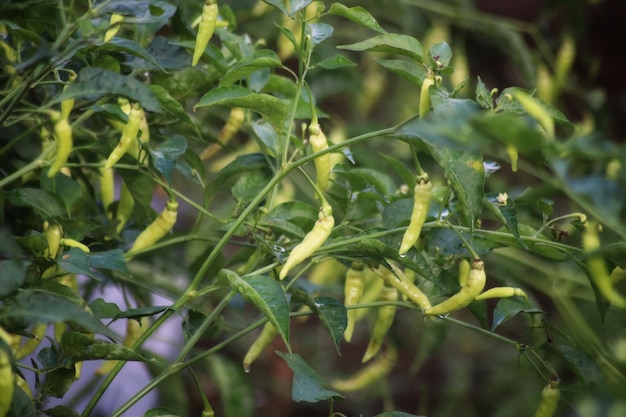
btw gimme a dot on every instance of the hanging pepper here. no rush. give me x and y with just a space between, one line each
422 194
353 290
318 142
158 228
208 21
384 320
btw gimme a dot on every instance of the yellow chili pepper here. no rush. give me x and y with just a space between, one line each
208 21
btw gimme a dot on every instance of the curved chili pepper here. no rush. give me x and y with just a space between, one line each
208 21
384 320
353 290
474 286
421 201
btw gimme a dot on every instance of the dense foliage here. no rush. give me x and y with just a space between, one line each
299 208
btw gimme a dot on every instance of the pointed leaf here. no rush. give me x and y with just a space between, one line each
319 32
80 347
118 44
583 365
66 188
406 69
78 262
279 4
270 107
93 83
333 317
307 384
113 260
166 155
336 61
13 274
266 294
390 43
357 14
506 309
263 58
162 412
441 55
48 205
33 307
505 212
171 105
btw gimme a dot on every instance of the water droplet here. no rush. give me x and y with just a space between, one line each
278 249
246 369
403 255
490 167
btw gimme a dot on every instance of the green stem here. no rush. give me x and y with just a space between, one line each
481 330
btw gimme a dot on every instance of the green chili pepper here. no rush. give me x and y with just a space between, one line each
68 104
235 120
75 244
368 374
124 207
412 292
533 107
268 334
474 286
501 292
312 241
549 400
115 22
384 320
107 189
158 228
65 143
7 376
424 106
129 135
597 267
53 234
353 290
421 200
318 142
208 21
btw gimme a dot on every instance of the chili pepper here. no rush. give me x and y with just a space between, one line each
124 207
312 241
107 189
68 104
234 122
318 142
65 143
474 286
501 292
158 228
326 273
421 200
353 290
532 106
208 21
412 292
464 270
424 106
511 151
268 334
129 135
7 377
53 234
144 137
617 274
549 400
368 374
134 329
597 267
115 22
384 320
564 59
75 244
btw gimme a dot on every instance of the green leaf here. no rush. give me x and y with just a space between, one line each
505 212
68 190
48 205
583 365
265 294
445 242
335 62
267 136
162 412
440 55
141 12
307 384
406 69
234 386
102 309
356 14
510 129
34 307
78 262
263 58
120 45
58 381
407 176
249 184
319 32
483 95
166 155
243 163
195 320
390 43
93 83
167 54
396 414
171 105
506 309
113 260
23 406
78 347
270 107
333 317
12 277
